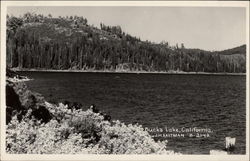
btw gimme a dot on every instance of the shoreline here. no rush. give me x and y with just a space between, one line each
16 80
127 72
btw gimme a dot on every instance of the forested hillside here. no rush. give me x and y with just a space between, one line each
43 42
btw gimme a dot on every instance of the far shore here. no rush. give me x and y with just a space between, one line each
124 71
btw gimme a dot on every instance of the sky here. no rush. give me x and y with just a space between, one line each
208 28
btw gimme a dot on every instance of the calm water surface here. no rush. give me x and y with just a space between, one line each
158 100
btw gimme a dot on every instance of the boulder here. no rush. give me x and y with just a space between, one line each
19 100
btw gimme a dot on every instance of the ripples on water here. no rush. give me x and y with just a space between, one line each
159 100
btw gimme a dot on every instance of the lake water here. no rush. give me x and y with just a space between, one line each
158 101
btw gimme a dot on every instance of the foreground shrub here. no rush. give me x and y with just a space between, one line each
72 131
119 138
29 136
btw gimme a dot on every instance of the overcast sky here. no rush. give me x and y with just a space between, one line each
209 28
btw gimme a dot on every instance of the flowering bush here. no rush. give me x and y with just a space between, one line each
72 131
32 136
119 138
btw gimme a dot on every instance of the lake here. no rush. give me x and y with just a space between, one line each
216 102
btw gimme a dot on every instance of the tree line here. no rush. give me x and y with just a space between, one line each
43 42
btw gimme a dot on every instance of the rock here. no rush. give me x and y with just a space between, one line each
41 113
19 100
13 104
12 99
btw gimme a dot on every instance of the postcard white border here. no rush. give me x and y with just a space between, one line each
5 4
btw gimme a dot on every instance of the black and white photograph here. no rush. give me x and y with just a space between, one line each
110 79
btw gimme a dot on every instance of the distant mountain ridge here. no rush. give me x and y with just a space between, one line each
43 42
237 50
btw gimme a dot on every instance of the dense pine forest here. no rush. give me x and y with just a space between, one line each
35 41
